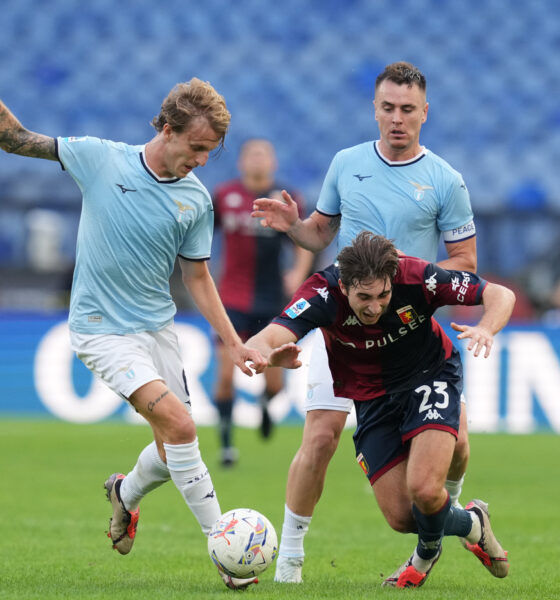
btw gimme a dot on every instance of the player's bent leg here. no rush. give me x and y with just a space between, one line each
428 463
174 428
306 479
426 468
393 499
459 462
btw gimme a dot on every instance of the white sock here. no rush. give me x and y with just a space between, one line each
148 474
293 531
455 488
192 479
421 564
476 532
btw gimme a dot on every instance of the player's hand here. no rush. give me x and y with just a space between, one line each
480 338
243 355
280 215
285 356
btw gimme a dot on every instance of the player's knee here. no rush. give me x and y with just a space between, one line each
402 523
180 430
426 495
321 445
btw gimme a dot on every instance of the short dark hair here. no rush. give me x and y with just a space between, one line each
369 257
402 73
187 101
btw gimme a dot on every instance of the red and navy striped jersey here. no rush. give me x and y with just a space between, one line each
252 265
404 346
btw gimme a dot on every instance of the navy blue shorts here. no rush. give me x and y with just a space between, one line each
388 423
249 324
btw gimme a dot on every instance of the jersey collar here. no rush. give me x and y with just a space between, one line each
152 173
399 163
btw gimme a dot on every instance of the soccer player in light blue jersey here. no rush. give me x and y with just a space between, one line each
397 188
142 208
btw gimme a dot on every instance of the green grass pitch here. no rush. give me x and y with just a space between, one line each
53 518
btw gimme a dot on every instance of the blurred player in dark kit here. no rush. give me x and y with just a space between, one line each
254 282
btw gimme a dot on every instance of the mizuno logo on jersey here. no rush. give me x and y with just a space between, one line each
297 308
431 284
351 320
420 189
124 189
323 292
362 177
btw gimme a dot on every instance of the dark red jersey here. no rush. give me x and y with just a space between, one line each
251 279
403 347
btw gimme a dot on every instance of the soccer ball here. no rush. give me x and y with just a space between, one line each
242 543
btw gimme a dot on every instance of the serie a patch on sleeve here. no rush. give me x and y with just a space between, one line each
297 308
75 139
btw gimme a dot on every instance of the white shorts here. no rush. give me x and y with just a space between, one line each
127 362
320 394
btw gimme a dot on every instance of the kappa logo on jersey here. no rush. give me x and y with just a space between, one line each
323 292
462 285
420 190
75 139
183 208
407 314
431 284
433 415
351 320
297 308
362 177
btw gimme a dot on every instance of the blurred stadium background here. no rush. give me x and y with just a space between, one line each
302 75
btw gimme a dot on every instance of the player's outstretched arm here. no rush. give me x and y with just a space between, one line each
277 345
314 233
498 302
197 279
15 139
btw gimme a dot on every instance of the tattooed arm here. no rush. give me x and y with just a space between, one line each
14 138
